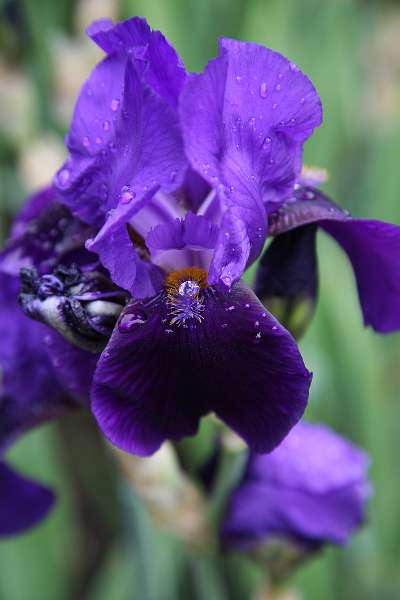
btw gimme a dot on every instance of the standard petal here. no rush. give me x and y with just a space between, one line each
287 278
23 503
161 372
373 248
244 121
165 72
124 140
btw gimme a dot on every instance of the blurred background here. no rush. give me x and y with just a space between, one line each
351 51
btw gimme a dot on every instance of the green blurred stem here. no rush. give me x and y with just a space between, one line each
208 582
229 470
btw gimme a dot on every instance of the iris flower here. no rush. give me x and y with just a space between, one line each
135 256
311 490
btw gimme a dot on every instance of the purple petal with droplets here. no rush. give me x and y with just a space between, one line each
156 379
244 121
165 71
140 149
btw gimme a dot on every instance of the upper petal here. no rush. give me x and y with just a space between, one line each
165 71
124 140
168 363
23 503
244 122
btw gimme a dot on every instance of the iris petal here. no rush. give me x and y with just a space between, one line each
165 72
244 121
22 502
156 379
373 248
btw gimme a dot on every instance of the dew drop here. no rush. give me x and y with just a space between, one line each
106 125
252 121
114 105
131 320
302 100
263 90
189 289
86 141
230 308
293 67
256 324
224 325
99 140
172 176
274 106
227 280
63 176
278 87
127 195
247 305
257 337
238 78
274 327
267 142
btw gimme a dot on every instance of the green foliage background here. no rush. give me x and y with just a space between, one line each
348 50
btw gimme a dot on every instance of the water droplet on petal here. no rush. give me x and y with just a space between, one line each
278 87
227 280
106 125
263 90
274 106
86 141
293 67
114 105
127 195
189 288
257 337
267 142
99 140
63 176
274 327
238 78
131 320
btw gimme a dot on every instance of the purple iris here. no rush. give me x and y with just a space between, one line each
176 173
172 184
309 491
